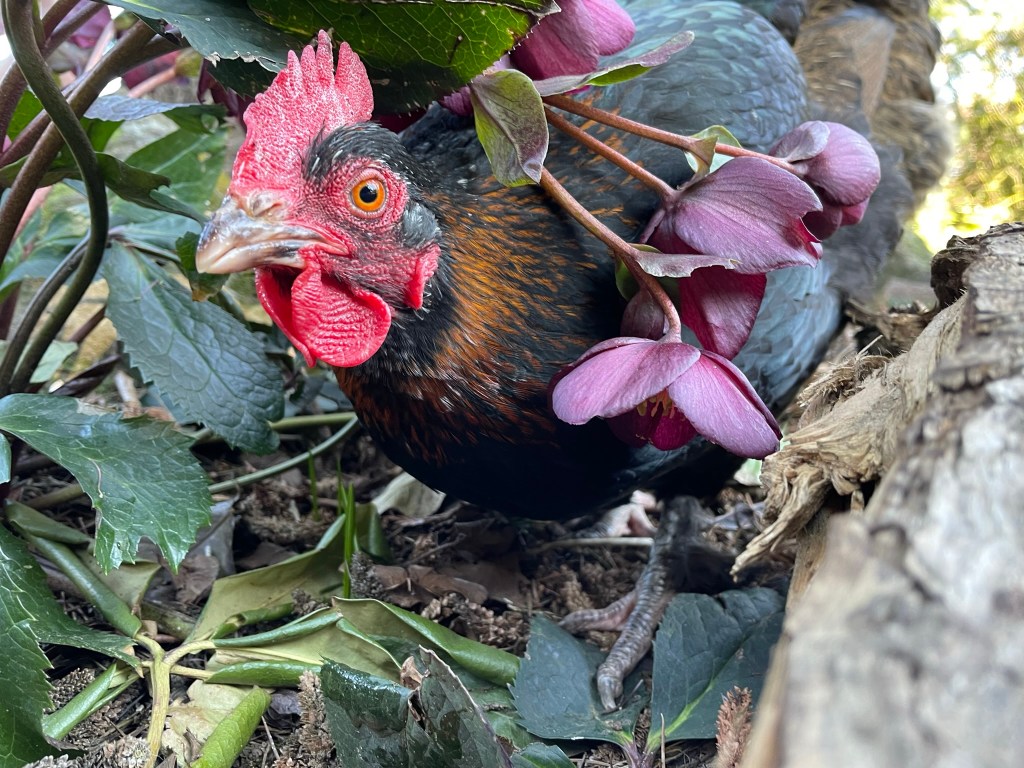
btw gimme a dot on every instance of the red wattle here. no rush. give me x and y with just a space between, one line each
324 318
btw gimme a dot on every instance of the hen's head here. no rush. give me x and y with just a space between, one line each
321 206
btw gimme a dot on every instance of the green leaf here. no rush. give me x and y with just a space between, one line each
372 721
52 360
30 615
375 619
119 108
539 755
269 590
28 107
335 639
234 731
708 160
555 693
47 237
367 716
201 358
270 674
705 647
454 722
140 187
139 473
220 29
194 163
414 51
203 284
622 70
5 459
510 124
35 523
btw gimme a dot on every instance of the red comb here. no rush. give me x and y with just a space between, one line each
306 98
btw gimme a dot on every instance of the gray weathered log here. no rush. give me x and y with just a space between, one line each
907 646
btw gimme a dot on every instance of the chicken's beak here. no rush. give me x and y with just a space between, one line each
234 241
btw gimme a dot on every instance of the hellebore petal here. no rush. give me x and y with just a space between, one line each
720 403
617 375
613 27
748 210
845 171
657 421
643 317
720 307
88 34
803 142
570 42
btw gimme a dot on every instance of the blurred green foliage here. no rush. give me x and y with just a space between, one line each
983 54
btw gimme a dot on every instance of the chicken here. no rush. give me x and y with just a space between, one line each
447 303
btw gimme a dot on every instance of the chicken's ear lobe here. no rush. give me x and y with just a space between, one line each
308 97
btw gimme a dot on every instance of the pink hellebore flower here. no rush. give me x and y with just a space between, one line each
839 164
571 41
738 222
664 393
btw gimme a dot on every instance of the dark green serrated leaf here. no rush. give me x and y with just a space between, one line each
414 51
367 717
454 722
555 693
220 29
31 601
200 357
539 755
29 615
246 78
139 473
705 647
511 126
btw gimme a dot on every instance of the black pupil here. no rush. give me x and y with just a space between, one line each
369 193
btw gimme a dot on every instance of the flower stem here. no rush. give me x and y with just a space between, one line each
619 247
617 158
12 85
685 143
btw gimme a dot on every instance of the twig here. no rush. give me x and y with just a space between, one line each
619 247
599 147
685 143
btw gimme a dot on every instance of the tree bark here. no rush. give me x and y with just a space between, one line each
906 646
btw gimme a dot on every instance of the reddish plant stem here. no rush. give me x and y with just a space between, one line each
162 77
616 158
59 23
685 143
619 247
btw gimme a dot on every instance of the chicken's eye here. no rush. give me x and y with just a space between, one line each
369 195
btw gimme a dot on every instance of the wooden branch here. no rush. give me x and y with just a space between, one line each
907 646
